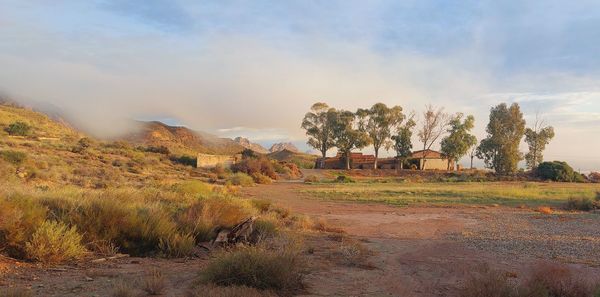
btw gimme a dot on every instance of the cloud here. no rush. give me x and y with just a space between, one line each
258 66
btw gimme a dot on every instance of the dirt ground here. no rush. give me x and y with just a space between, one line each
412 251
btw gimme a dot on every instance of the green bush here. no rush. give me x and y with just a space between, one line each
263 205
240 179
558 171
14 157
55 242
256 267
18 129
184 160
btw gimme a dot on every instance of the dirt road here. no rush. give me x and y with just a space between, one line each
426 251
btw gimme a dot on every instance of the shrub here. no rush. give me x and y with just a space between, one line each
263 205
261 179
545 210
252 166
311 179
547 279
154 283
344 179
583 204
177 245
184 160
193 188
18 129
19 218
256 267
203 217
264 229
157 149
558 171
55 242
14 157
488 283
240 179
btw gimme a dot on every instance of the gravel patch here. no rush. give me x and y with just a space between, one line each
569 237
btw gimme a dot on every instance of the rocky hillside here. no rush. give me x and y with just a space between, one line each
283 146
181 139
250 145
302 160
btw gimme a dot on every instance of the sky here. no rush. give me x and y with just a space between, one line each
253 68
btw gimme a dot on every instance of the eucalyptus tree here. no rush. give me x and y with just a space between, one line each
537 138
318 124
348 135
500 149
403 140
378 122
459 139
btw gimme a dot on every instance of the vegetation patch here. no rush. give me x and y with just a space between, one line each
256 267
54 242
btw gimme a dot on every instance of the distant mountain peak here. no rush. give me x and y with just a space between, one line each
277 147
250 145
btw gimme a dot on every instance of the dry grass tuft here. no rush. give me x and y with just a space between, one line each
256 267
488 283
154 283
231 291
123 289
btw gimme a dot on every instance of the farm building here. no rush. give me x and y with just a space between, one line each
433 161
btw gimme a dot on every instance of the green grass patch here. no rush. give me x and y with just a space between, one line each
408 193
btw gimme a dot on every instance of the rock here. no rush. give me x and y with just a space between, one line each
241 233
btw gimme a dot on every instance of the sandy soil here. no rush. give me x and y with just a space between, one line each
424 251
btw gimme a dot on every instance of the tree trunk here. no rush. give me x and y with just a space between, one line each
376 158
448 167
471 162
322 162
347 161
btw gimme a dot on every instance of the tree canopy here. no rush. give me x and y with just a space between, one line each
500 149
348 135
319 123
459 140
537 138
378 122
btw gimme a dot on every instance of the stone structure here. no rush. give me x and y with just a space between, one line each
211 161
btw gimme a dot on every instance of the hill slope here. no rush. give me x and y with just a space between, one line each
181 139
42 125
300 159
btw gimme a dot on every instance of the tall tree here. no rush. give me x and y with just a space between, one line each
433 126
378 122
537 138
500 149
459 139
348 135
402 140
318 124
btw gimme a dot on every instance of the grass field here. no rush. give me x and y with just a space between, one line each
407 193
